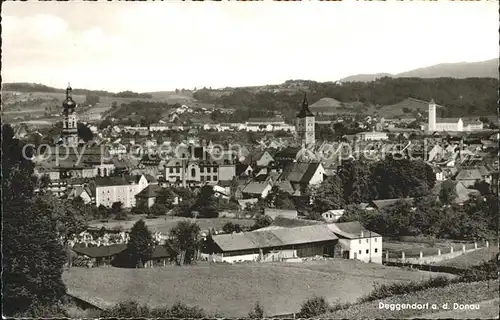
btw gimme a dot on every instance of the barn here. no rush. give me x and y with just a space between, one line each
273 244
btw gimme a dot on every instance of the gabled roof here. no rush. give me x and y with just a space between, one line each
102 251
352 230
299 172
380 204
285 186
150 191
468 174
255 188
274 238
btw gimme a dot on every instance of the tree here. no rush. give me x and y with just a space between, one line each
356 179
314 307
483 187
92 99
140 245
158 209
230 227
166 197
280 199
262 222
117 211
328 196
257 312
28 283
206 203
448 192
184 240
84 132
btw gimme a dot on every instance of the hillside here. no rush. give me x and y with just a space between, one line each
232 290
482 69
461 70
365 77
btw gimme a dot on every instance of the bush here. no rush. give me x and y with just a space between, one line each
127 309
257 312
180 310
388 290
488 270
314 307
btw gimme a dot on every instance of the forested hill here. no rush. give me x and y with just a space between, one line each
460 97
36 87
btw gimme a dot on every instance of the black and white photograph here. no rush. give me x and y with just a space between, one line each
250 159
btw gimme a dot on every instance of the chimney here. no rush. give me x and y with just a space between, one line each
362 234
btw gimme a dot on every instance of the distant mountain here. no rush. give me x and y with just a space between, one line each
481 69
365 77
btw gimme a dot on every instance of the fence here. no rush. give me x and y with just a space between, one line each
426 256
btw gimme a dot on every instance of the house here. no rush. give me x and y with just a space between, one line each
273 245
243 170
265 159
100 255
274 213
303 174
109 190
147 196
468 176
287 155
383 204
256 190
372 136
82 192
332 215
358 243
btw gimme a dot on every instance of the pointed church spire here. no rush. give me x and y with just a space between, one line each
432 101
68 91
305 103
305 111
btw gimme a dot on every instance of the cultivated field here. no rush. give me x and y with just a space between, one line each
461 293
164 224
232 290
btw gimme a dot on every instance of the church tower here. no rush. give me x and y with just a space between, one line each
70 121
432 116
305 124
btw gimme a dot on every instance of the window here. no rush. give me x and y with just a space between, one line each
375 239
215 169
202 178
376 250
367 251
359 241
171 170
208 169
215 178
367 240
193 172
208 178
202 169
359 251
178 170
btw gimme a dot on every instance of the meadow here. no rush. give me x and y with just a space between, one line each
469 259
164 224
232 290
413 249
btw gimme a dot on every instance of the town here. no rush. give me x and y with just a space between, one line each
139 195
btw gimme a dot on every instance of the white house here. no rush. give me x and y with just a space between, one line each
332 215
358 243
372 136
109 190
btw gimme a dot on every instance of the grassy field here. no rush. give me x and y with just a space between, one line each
470 258
461 293
232 290
164 224
412 249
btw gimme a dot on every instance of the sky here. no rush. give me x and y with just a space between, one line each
156 46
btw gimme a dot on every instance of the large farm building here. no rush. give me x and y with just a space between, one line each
275 243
